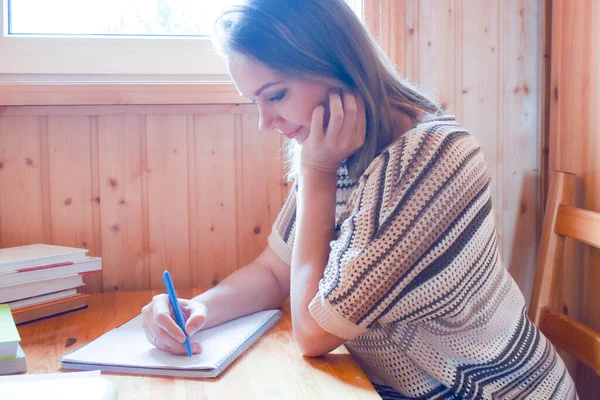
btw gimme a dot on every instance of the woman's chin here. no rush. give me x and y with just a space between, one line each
301 137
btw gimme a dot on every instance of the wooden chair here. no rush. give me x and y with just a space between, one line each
562 220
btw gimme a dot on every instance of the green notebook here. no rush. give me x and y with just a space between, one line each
9 336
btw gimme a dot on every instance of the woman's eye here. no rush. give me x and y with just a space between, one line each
278 96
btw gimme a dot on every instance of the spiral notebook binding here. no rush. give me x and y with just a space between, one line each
246 343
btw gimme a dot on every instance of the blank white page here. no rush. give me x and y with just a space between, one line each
127 345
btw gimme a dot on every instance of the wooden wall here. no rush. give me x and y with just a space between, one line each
194 187
483 60
575 148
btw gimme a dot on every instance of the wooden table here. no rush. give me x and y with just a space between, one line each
272 369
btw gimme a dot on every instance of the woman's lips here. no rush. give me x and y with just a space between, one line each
293 134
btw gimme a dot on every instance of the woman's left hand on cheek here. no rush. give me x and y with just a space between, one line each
326 148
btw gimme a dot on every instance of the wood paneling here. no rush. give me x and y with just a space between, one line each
148 189
481 59
77 93
574 147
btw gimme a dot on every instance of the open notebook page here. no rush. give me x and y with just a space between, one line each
125 349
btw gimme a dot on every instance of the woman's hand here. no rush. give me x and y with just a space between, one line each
161 329
326 148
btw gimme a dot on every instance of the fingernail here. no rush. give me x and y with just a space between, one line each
196 348
181 339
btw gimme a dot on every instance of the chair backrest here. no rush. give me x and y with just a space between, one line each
563 220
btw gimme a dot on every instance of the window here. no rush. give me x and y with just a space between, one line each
114 17
112 39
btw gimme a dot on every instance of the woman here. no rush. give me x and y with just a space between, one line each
386 242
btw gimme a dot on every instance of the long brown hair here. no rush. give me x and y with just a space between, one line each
325 40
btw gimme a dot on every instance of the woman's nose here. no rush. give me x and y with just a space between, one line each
269 119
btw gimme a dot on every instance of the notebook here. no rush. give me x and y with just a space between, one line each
125 349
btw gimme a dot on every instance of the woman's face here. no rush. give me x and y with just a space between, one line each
284 103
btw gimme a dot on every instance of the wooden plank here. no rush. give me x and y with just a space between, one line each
45 166
562 191
436 50
216 185
78 93
518 130
194 256
579 224
70 183
372 18
546 100
125 264
481 83
572 336
166 148
411 47
460 90
78 110
392 28
93 282
258 164
21 198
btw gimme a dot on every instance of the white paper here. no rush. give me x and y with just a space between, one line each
127 346
61 386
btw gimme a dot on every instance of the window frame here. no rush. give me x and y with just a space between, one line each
80 58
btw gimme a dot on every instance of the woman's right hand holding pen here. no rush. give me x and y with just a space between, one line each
160 328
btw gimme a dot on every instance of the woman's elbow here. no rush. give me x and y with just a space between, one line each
316 345
309 347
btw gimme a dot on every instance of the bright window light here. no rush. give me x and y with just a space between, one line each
114 17
117 17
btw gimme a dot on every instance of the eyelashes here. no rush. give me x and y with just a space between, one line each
279 96
275 98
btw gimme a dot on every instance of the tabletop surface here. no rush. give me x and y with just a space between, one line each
271 369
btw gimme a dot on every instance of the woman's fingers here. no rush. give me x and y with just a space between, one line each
196 313
336 117
361 118
316 123
161 314
161 339
163 332
350 114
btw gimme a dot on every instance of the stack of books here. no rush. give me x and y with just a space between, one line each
41 280
12 357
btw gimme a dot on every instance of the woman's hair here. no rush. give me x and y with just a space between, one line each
323 40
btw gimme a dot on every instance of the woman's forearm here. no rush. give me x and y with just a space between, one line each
252 288
315 221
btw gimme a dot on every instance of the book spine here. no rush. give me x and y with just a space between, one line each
62 264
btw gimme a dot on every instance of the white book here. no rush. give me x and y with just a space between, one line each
13 365
59 386
37 288
87 264
45 298
125 349
14 258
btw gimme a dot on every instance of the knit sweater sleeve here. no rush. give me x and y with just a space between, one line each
282 235
413 201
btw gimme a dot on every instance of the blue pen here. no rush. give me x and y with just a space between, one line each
176 309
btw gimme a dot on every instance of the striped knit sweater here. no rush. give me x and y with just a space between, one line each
414 280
